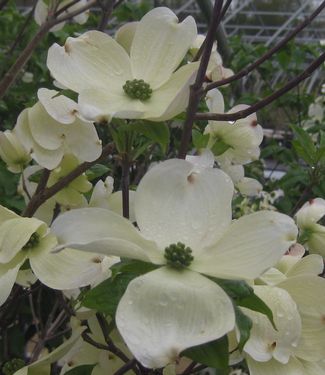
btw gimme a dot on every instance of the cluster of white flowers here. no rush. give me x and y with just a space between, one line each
182 210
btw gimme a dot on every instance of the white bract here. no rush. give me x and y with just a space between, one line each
24 238
298 345
307 219
83 353
215 69
42 11
239 141
51 128
143 84
183 213
103 196
294 277
12 152
43 365
246 186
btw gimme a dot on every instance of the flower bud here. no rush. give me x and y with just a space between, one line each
12 152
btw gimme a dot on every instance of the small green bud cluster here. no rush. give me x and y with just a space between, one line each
137 89
178 256
32 242
9 368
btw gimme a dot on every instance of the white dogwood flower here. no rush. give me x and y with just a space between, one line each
42 10
142 84
24 238
12 151
184 217
298 345
237 142
51 128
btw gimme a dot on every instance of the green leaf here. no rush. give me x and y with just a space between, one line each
106 296
35 177
96 171
304 145
199 140
234 288
253 302
81 370
157 132
140 150
243 295
321 149
302 152
244 325
213 354
136 267
220 147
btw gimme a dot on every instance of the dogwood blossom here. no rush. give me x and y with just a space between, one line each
297 347
82 353
23 239
183 213
12 152
215 69
42 10
312 232
142 84
292 287
246 186
52 128
238 142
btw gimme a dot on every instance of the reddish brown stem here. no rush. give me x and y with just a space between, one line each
264 102
244 72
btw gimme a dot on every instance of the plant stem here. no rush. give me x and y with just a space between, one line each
38 199
125 185
196 87
266 101
268 54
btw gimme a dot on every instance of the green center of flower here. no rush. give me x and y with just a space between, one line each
32 242
137 89
178 256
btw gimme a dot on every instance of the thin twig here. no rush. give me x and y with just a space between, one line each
223 12
125 179
189 368
43 181
94 343
76 12
196 87
66 7
22 30
125 368
38 199
106 13
268 54
26 54
266 101
110 345
32 310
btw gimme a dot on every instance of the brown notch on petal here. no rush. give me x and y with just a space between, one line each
191 178
67 48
